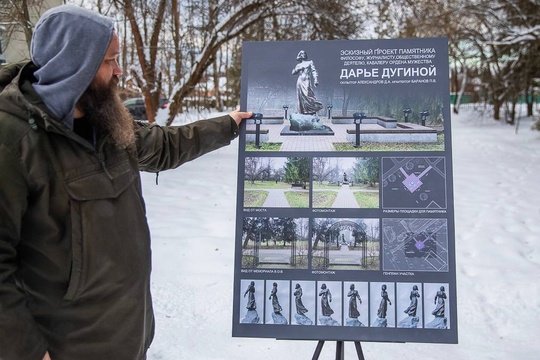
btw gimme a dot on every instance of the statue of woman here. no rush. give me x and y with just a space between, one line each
274 298
307 78
385 301
411 310
300 308
251 305
326 299
439 301
353 308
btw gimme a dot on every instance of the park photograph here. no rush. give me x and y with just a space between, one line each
275 243
276 182
345 244
345 182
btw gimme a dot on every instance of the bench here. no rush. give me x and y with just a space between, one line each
384 121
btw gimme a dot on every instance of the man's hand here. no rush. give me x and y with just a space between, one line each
47 357
238 115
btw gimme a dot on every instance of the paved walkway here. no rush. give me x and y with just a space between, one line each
276 198
275 255
308 142
345 198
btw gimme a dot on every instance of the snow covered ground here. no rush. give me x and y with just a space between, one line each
497 211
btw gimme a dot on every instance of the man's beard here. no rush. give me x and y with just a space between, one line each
104 109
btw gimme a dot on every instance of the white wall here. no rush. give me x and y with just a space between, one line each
17 48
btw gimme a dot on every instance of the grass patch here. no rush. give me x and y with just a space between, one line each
376 146
254 198
266 185
249 261
365 187
324 199
367 200
265 146
316 185
297 199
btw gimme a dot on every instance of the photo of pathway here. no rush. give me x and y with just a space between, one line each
345 244
345 182
275 242
276 182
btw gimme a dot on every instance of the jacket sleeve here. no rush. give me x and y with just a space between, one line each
20 337
162 148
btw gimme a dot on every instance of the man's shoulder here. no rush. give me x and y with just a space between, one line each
13 129
10 71
15 118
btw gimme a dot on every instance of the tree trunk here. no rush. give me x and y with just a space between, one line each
512 118
316 243
461 91
150 80
249 236
454 86
529 100
497 109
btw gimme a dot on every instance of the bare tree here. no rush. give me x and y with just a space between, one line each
321 168
146 34
256 166
180 46
19 17
492 41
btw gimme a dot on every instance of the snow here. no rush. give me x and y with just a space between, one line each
497 211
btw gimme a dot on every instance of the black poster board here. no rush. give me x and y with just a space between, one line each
345 215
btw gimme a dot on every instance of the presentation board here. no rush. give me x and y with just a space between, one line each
345 214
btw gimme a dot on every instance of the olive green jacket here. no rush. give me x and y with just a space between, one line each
75 255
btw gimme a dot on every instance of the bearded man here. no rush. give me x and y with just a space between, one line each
74 240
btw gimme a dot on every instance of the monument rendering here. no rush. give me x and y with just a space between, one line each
440 321
251 316
353 307
412 320
326 310
301 319
383 308
308 78
306 121
277 317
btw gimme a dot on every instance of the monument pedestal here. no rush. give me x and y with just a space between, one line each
302 320
251 317
380 322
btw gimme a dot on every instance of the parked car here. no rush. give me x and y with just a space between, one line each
137 109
